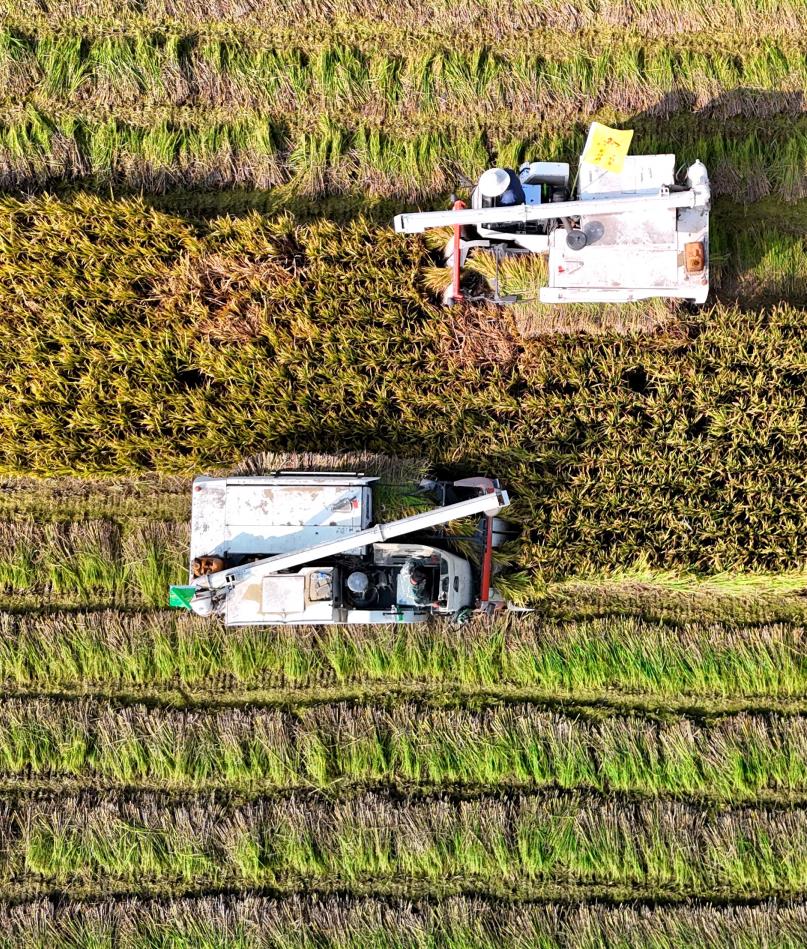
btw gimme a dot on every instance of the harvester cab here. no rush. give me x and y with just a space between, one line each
302 548
629 235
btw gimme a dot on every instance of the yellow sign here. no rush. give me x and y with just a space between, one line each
606 147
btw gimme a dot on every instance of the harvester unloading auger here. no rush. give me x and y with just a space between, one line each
631 234
297 548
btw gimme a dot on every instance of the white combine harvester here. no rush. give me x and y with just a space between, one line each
301 548
639 233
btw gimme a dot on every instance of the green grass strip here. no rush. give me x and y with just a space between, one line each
92 561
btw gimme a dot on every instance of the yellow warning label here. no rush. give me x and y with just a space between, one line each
606 147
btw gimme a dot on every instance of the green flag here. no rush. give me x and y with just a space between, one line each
181 596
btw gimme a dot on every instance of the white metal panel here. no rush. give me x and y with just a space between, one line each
597 267
641 175
697 294
282 517
552 172
693 223
652 228
350 618
276 514
281 540
245 603
303 479
610 266
536 243
380 617
604 295
462 593
283 593
268 506
207 516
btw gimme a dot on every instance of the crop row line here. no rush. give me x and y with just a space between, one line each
617 655
332 747
402 888
518 848
748 159
311 921
56 787
224 695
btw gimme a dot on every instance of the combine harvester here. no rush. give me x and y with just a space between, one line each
634 230
301 548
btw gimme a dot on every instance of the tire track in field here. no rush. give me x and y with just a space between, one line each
17 894
21 790
701 709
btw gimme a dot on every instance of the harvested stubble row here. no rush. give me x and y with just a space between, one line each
479 19
520 848
299 922
98 74
749 158
120 323
90 743
91 561
158 652
64 500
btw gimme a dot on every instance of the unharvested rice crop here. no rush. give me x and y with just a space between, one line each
120 350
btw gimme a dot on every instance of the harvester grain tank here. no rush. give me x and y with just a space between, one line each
303 548
632 234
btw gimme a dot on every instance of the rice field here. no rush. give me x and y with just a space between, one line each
197 269
256 751
163 97
514 849
358 922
